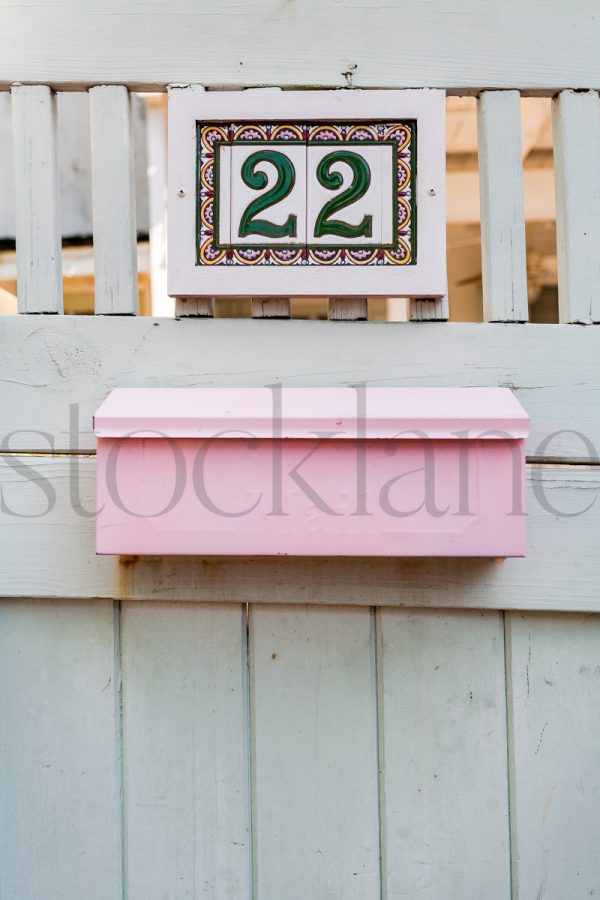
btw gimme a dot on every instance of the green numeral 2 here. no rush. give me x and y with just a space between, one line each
332 180
286 177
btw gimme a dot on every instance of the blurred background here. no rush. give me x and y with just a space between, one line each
150 134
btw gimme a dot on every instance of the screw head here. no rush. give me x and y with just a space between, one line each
431 192
181 192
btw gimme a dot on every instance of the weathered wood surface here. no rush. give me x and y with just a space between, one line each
52 554
314 753
113 193
187 810
348 309
433 310
60 787
553 689
37 204
274 308
45 367
443 754
462 45
576 128
333 695
504 268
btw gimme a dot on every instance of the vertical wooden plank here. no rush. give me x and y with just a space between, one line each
60 835
156 148
504 267
185 751
315 804
348 309
113 200
39 264
275 308
554 719
194 308
443 754
576 129
434 309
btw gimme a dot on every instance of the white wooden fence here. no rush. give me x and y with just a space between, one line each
292 729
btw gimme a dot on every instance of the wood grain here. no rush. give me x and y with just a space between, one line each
576 129
429 310
459 45
553 691
504 269
314 753
38 234
185 751
113 194
443 754
348 309
52 554
53 378
60 823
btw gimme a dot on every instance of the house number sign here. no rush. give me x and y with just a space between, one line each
275 193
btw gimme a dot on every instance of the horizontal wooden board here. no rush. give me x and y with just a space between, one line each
55 372
52 554
338 43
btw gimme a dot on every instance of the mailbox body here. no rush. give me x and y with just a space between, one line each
311 472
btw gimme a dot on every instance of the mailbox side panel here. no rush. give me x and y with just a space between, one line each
310 497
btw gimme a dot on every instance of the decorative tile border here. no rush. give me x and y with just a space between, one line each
401 134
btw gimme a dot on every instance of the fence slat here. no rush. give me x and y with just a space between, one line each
275 308
314 753
185 750
504 268
113 195
434 309
576 128
39 264
348 309
194 308
60 824
554 710
443 753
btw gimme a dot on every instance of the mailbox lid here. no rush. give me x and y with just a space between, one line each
307 412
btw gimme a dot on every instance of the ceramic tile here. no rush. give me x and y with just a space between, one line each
376 228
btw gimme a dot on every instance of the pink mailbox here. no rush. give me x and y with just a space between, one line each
311 472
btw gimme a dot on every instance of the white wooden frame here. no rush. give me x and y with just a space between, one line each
427 278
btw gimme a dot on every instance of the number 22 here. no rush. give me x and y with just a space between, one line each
286 178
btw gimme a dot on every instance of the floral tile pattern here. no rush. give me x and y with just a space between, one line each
401 135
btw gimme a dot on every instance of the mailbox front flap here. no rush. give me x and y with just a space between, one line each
296 413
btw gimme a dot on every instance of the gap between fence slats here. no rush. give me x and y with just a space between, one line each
113 195
504 267
38 235
576 127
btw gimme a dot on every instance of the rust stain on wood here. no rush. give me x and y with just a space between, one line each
126 575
